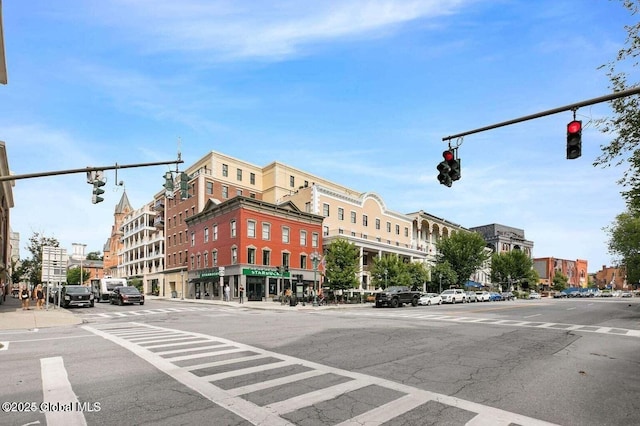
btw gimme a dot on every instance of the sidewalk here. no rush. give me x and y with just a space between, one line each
12 317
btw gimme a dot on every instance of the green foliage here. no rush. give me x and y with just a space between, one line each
390 270
135 282
342 265
624 126
465 253
560 281
513 267
418 273
32 267
73 275
624 243
442 276
94 255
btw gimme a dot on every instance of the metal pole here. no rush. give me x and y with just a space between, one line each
182 277
616 95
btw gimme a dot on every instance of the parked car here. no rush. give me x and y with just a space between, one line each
471 296
430 299
126 295
507 295
534 295
483 296
397 296
626 294
453 295
76 295
606 293
495 297
559 295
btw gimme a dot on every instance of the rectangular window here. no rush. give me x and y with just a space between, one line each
377 223
292 181
252 178
397 229
251 256
266 231
303 238
232 227
215 232
365 220
388 226
206 259
214 258
325 231
225 191
209 188
234 255
285 259
314 239
225 170
238 191
239 175
325 210
303 261
285 235
406 231
340 213
252 195
266 257
353 217
206 235
251 229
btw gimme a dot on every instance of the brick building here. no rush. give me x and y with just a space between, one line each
574 270
242 242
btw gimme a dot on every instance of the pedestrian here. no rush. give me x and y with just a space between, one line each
24 296
39 297
226 293
241 293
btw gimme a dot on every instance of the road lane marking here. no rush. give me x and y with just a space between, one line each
271 413
56 389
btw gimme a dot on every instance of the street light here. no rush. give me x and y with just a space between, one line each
182 278
315 259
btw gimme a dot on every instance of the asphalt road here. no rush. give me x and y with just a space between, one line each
570 362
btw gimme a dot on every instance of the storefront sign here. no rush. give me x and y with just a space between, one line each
264 272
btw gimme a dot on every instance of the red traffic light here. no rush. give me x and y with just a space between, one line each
448 155
574 127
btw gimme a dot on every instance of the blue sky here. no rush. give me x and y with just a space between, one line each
359 92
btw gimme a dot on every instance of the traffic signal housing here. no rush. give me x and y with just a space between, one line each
169 188
574 139
98 183
184 185
449 169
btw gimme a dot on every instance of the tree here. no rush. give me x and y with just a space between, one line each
624 126
560 281
624 243
342 265
418 273
443 276
510 267
73 276
465 252
390 270
94 255
32 267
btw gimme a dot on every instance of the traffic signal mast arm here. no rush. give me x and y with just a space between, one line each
571 107
87 170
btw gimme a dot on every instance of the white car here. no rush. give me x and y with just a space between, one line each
430 299
534 295
483 296
453 295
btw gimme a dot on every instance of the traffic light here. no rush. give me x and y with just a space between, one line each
286 268
169 188
278 270
574 139
445 169
184 185
454 173
98 183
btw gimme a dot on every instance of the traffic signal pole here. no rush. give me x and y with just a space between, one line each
571 107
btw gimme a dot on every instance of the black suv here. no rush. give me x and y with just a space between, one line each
125 294
76 295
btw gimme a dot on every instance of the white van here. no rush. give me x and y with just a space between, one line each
103 287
